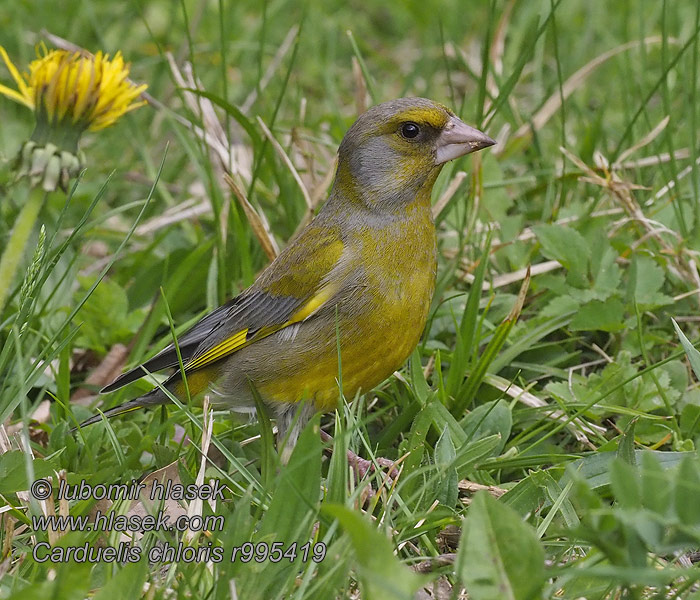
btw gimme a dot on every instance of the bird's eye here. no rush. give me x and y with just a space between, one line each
410 130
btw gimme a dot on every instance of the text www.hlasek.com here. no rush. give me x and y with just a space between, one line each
124 523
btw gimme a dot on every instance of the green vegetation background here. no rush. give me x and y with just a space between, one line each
577 416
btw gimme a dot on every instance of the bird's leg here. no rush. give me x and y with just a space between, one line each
362 465
291 420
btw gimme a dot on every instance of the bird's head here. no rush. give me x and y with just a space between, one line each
395 150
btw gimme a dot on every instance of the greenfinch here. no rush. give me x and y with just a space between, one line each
359 277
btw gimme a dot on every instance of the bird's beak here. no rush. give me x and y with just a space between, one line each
458 139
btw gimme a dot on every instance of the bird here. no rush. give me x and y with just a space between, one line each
350 295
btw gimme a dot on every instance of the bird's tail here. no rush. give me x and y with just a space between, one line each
153 398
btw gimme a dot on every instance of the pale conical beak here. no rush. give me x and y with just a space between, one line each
458 139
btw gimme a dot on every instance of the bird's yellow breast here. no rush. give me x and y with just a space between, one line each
379 322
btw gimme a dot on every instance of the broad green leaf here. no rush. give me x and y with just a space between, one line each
289 518
297 491
524 497
69 581
632 576
13 471
656 484
624 479
568 247
646 280
690 417
416 448
447 490
240 523
687 492
487 419
607 275
420 385
625 447
499 555
469 455
126 584
379 570
599 316
595 468
443 418
560 305
690 351
105 318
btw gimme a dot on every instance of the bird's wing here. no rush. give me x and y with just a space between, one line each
187 343
295 286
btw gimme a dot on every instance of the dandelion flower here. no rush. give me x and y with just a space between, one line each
69 93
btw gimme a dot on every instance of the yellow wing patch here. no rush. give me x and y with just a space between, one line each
313 305
229 345
240 340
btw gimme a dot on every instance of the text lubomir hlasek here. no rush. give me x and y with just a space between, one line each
168 490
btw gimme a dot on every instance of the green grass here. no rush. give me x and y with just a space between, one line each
548 450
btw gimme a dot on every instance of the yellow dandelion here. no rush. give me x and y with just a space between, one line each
69 92
67 88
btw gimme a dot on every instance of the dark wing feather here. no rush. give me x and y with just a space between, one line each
254 309
188 343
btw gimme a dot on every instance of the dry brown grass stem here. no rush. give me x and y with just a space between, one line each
271 68
228 153
471 487
360 87
554 102
620 192
508 278
258 223
450 190
578 427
